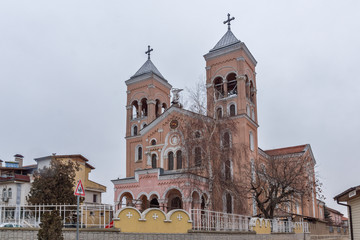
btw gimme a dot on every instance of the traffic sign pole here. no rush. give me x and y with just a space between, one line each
79 191
77 218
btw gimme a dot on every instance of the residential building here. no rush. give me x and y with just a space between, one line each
351 199
15 181
93 190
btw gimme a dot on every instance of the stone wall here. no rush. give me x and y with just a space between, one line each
113 234
329 237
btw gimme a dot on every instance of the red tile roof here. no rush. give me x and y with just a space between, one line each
287 150
334 211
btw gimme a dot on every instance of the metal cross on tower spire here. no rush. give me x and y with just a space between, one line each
229 20
148 52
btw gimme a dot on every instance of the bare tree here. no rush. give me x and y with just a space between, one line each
210 152
280 182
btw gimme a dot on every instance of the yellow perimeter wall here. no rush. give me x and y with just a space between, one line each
152 220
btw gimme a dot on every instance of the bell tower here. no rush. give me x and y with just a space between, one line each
231 87
148 96
231 78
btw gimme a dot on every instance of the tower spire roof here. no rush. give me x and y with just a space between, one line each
148 67
229 38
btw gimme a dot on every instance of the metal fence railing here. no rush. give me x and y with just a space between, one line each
205 220
90 215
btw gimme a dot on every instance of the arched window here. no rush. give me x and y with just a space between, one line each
252 92
228 203
251 140
135 130
143 125
197 134
228 170
9 193
153 142
153 161
248 110
134 109
219 88
163 107
231 84
154 203
247 87
138 153
4 193
179 159
226 140
232 110
219 113
252 114
170 160
197 156
144 107
157 107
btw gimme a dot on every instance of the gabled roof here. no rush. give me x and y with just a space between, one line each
168 111
63 156
286 150
227 40
333 211
344 196
148 67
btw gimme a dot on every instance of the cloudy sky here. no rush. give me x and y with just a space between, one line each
63 65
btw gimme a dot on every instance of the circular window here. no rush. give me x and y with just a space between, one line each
174 124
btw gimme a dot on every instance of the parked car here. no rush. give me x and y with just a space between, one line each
10 225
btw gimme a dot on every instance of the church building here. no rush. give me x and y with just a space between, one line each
170 163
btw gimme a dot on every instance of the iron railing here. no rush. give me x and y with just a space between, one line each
90 215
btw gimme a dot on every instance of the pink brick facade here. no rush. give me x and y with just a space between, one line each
155 156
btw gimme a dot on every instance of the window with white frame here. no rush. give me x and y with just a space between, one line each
232 110
138 153
134 130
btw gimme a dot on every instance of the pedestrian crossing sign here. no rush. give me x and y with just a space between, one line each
79 191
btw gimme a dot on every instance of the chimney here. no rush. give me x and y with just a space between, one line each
19 159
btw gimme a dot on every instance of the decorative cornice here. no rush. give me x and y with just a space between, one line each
147 76
229 49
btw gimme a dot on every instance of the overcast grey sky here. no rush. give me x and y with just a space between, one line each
63 65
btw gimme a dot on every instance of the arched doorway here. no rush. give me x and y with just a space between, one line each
144 203
126 199
174 200
195 200
154 203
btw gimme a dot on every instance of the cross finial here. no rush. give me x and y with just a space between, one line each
148 51
229 20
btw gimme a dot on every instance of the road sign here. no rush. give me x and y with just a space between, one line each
79 191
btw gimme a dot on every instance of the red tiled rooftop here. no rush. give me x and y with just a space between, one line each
287 150
334 211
